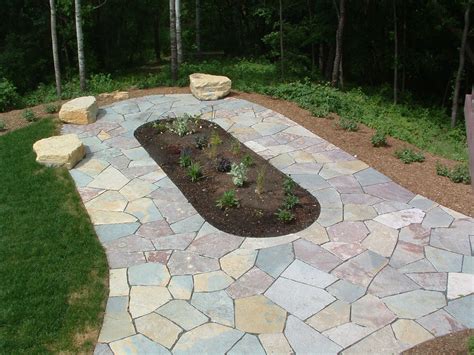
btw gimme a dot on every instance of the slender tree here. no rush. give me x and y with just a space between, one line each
282 59
174 49
395 53
198 26
179 45
54 43
457 84
339 35
80 45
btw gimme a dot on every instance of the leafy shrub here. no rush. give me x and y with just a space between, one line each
348 125
29 115
285 215
228 200
379 139
290 202
99 83
8 96
224 165
194 171
260 181
288 185
409 156
185 158
200 142
3 126
460 173
239 174
180 126
51 108
247 160
160 127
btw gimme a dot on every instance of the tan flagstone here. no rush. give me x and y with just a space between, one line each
257 314
238 262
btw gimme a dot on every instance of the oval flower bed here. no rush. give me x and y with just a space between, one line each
231 187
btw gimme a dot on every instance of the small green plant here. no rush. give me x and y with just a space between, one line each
9 97
180 125
51 108
379 139
185 158
285 215
160 127
29 115
288 185
247 160
200 142
409 156
470 345
214 142
348 125
194 171
228 200
3 126
235 146
260 181
290 202
224 165
459 174
239 174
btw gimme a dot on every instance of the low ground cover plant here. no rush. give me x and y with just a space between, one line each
459 174
238 173
228 200
51 108
29 115
284 215
3 125
348 125
379 139
194 171
409 156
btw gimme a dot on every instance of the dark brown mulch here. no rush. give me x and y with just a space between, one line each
452 344
255 217
418 178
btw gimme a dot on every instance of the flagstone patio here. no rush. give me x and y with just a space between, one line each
381 270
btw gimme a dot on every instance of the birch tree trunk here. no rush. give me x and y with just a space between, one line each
179 45
395 54
282 66
54 43
198 26
457 85
174 50
80 45
339 36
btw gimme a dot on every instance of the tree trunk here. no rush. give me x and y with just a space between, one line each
395 54
457 85
80 45
174 50
54 42
330 62
321 58
198 26
282 66
404 48
156 34
339 36
179 45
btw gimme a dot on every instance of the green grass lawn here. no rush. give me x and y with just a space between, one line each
53 270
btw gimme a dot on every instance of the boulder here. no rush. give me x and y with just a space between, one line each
56 151
82 110
209 87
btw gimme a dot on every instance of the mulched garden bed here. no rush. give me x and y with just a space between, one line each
256 214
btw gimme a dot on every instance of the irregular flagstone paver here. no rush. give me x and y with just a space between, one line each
415 304
303 301
335 314
257 314
216 305
207 339
249 344
183 314
275 343
148 228
305 340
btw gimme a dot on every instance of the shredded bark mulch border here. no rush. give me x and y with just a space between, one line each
420 178
452 344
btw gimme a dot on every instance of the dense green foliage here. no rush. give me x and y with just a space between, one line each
53 270
460 173
409 156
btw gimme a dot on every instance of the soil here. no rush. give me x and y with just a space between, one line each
452 344
255 217
420 178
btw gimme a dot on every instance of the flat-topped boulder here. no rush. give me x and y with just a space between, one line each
209 87
82 110
58 151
